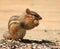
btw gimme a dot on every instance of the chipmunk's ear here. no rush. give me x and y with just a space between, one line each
28 11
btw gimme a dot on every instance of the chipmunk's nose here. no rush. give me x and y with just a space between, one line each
40 18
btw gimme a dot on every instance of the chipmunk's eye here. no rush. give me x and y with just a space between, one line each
37 16
34 15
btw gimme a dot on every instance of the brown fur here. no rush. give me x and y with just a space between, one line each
18 25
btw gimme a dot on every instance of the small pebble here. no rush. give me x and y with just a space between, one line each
4 46
13 47
8 48
22 44
4 43
9 40
35 46
1 44
17 46
21 48
33 43
39 46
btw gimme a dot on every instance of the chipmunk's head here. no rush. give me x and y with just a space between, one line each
31 19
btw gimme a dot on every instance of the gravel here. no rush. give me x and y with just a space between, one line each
28 44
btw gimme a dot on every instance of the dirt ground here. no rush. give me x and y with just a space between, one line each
49 28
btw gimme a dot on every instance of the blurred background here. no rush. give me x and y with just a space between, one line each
49 10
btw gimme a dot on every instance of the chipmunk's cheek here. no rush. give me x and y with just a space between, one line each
36 23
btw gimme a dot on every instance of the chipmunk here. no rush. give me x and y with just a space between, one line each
18 25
